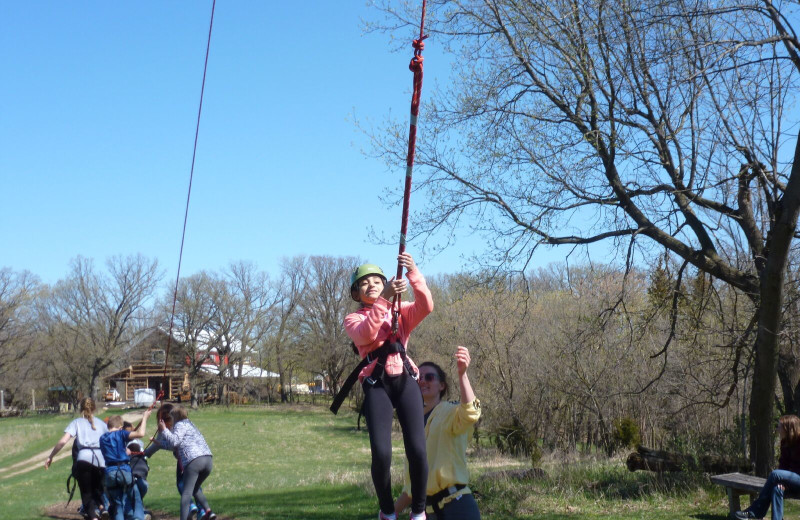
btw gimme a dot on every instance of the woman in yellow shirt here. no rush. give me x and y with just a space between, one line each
448 426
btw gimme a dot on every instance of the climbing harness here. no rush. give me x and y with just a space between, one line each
434 500
392 344
380 354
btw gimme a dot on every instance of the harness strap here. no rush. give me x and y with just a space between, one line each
394 347
379 354
433 500
71 490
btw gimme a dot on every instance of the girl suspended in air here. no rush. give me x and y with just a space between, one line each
389 378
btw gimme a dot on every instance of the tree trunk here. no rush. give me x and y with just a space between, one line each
788 379
762 401
93 386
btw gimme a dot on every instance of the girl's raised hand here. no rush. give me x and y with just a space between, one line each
394 287
407 261
462 360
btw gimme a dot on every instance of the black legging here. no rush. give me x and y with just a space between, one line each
90 482
193 476
401 393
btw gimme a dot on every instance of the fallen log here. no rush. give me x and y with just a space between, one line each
664 461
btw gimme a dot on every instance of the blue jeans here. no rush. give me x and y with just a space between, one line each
135 507
772 494
119 485
461 508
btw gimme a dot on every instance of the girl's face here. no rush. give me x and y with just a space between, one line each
370 288
430 385
781 431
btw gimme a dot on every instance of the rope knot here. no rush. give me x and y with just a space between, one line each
419 45
416 64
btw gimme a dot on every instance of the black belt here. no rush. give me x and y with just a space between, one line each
380 353
433 500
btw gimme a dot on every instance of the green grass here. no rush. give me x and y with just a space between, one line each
23 437
301 462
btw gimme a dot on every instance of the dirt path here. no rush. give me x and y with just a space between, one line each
63 511
37 461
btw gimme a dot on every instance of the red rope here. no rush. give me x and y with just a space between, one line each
188 198
185 216
416 67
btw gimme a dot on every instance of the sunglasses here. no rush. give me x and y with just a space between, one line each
430 377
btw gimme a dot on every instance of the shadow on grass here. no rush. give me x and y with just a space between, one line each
304 503
706 516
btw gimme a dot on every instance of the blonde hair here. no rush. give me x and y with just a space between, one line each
88 407
179 413
115 421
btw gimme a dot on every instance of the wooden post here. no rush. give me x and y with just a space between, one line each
33 399
733 501
2 401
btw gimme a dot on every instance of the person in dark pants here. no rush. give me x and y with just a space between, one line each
194 456
388 380
88 466
165 414
787 476
448 426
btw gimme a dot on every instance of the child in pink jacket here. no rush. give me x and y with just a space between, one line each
388 380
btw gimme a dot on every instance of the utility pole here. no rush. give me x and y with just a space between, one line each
33 399
2 401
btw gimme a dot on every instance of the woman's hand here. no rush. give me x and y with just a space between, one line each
407 261
394 287
462 360
48 462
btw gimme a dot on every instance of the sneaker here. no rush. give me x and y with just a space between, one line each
193 513
421 516
381 516
147 516
209 516
743 515
104 515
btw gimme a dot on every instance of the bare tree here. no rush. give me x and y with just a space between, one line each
571 123
255 298
194 313
91 318
17 294
282 337
325 303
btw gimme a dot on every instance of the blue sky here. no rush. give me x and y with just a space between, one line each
97 113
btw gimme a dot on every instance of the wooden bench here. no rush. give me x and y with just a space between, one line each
737 484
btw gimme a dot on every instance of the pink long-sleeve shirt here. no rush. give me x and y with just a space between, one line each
369 327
